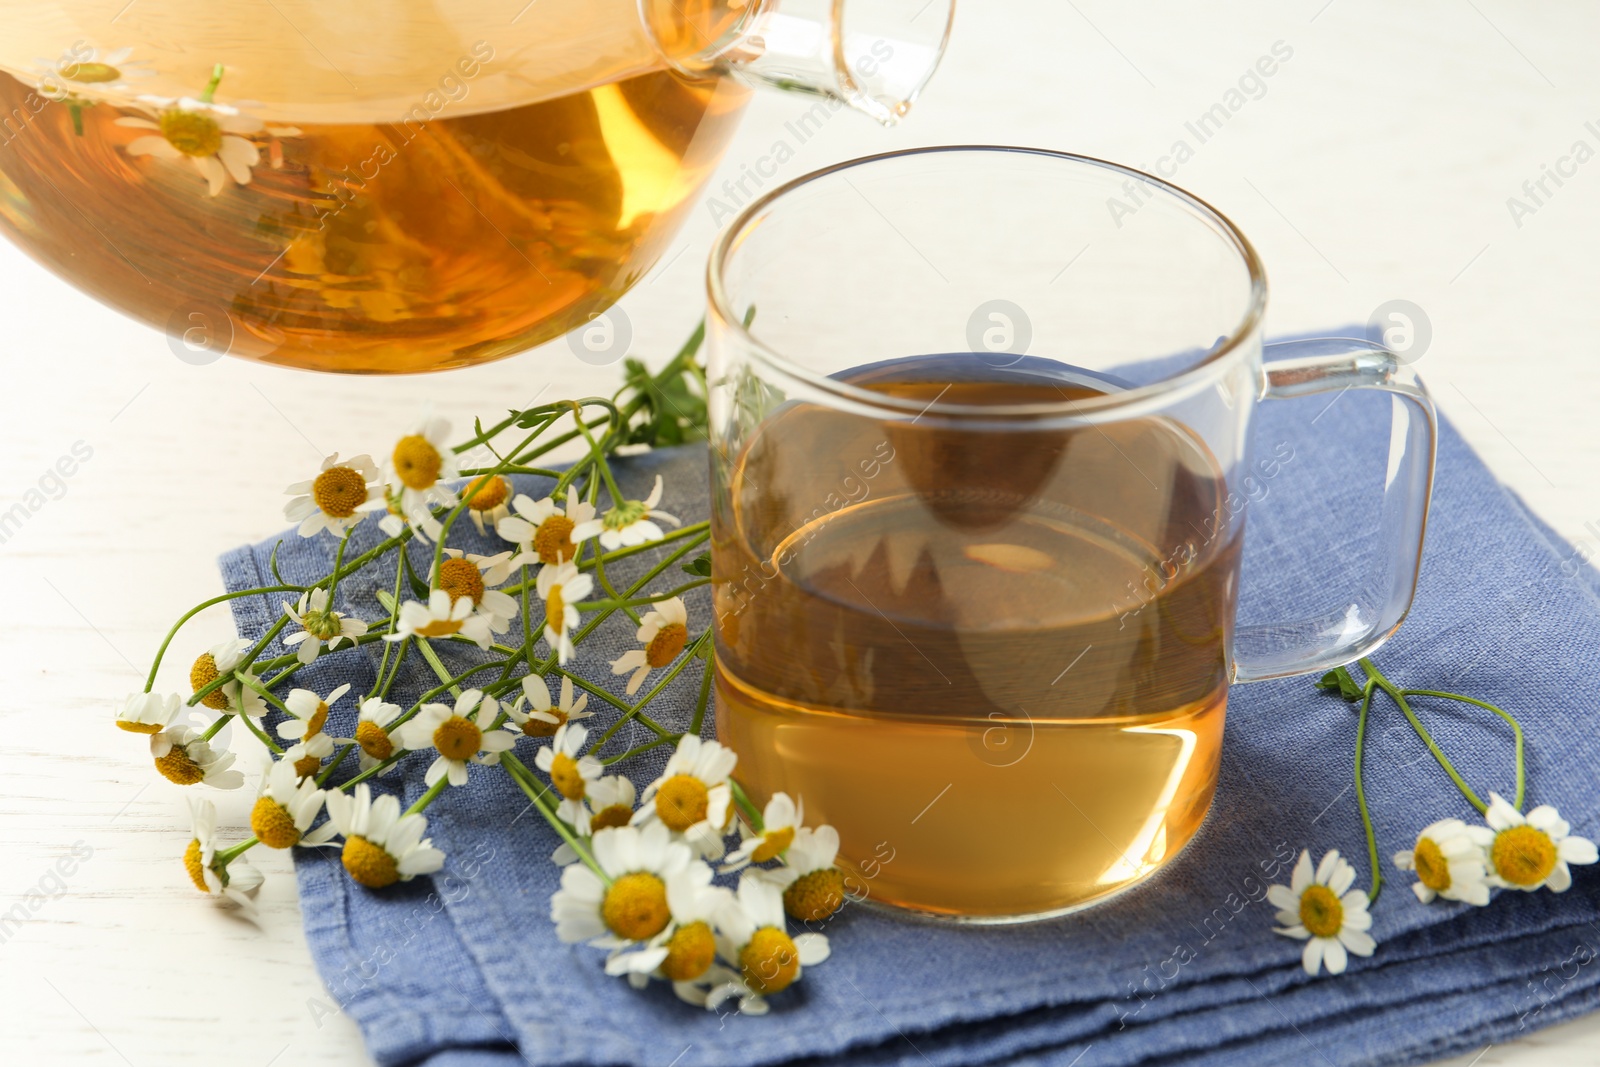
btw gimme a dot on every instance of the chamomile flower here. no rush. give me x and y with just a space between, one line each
545 531
779 822
570 771
640 863
692 796
372 732
470 577
813 888
686 951
461 735
611 800
309 715
81 71
755 942
487 497
331 501
382 846
442 616
1448 862
1530 851
320 626
236 881
184 757
306 759
663 632
1319 908
214 138
221 662
286 808
560 587
543 717
420 465
631 522
148 713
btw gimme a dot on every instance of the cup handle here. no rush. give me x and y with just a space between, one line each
1303 646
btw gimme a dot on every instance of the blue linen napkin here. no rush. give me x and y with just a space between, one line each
464 970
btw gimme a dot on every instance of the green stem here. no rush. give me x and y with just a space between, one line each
216 727
634 602
150 679
747 807
394 623
526 782
338 561
429 797
1516 729
226 856
438 667
636 710
255 728
1361 795
1376 677
640 749
705 692
211 86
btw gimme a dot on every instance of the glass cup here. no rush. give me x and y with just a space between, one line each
980 460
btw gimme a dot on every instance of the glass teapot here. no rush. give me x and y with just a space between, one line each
382 186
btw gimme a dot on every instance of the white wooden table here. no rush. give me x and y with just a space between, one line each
1375 165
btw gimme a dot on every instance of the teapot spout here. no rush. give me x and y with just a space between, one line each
874 55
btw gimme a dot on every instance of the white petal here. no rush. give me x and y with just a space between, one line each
1334 956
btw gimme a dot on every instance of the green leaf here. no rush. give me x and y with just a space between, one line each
699 566
1339 680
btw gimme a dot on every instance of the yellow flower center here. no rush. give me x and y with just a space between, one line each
667 643
191 132
1433 870
690 951
439 628
273 824
682 801
458 738
202 674
338 491
555 611
488 493
139 727
635 907
1523 855
541 728
770 961
91 73
566 777
196 869
553 540
611 815
416 462
369 864
461 578
773 842
306 766
815 896
374 741
176 766
318 719
1321 912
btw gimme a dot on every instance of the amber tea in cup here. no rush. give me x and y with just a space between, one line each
975 605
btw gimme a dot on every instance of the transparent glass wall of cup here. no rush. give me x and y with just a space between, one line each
980 450
382 186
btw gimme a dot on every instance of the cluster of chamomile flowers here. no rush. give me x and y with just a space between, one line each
645 890
1452 860
638 876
